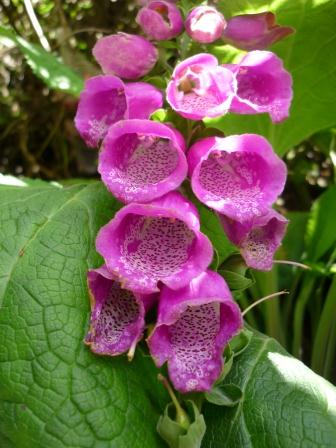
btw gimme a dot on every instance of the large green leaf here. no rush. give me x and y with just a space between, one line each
309 55
285 404
45 65
53 392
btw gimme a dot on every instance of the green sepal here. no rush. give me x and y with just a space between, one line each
177 436
240 342
224 395
236 274
228 360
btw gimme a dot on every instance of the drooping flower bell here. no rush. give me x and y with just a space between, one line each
106 100
126 55
117 315
205 24
160 20
159 241
258 238
142 160
264 86
200 88
239 176
255 31
194 324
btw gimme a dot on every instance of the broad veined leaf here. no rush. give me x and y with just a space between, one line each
45 65
53 391
309 57
285 404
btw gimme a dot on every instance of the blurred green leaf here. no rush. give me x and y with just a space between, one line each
46 66
309 55
321 230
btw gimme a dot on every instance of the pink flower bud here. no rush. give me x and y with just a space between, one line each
255 31
126 55
160 20
205 24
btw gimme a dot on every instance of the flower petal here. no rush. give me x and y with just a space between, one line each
142 160
159 241
239 176
194 325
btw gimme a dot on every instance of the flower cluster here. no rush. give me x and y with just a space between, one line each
153 249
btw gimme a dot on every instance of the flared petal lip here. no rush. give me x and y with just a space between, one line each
147 90
92 86
201 150
215 111
253 59
150 191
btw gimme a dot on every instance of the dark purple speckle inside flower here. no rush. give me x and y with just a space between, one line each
155 246
140 160
193 346
235 178
116 324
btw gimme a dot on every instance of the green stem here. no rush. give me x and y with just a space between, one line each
324 329
302 299
268 284
329 362
181 416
